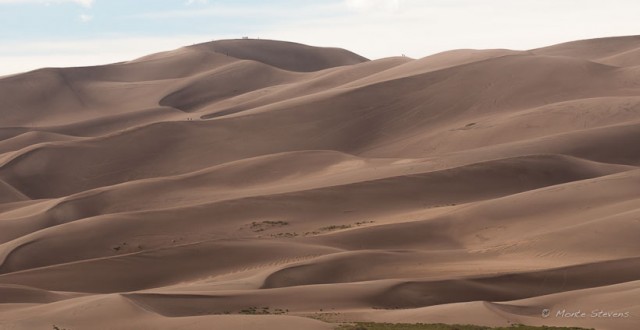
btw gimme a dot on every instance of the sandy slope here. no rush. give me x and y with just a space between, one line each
182 189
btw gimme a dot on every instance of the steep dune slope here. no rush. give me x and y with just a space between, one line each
228 81
598 50
380 114
396 194
284 55
265 177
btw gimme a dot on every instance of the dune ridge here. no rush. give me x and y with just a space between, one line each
311 185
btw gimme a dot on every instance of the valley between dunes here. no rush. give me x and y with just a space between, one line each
311 186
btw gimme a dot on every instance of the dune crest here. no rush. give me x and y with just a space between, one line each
235 177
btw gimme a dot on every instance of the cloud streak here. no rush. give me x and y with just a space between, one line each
85 18
84 3
373 28
20 56
196 2
372 5
259 12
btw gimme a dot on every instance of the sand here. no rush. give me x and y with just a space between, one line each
192 188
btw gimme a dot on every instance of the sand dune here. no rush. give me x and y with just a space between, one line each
197 186
598 50
285 55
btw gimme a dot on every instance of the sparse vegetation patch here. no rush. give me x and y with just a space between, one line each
262 311
284 235
267 224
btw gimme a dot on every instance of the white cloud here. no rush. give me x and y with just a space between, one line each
373 29
84 3
258 12
84 18
196 2
19 56
373 5
419 28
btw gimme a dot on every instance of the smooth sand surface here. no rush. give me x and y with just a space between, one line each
190 189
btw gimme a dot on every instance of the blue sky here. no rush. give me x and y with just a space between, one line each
38 33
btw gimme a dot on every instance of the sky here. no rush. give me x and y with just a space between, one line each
60 33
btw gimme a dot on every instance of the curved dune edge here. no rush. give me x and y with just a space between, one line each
312 186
